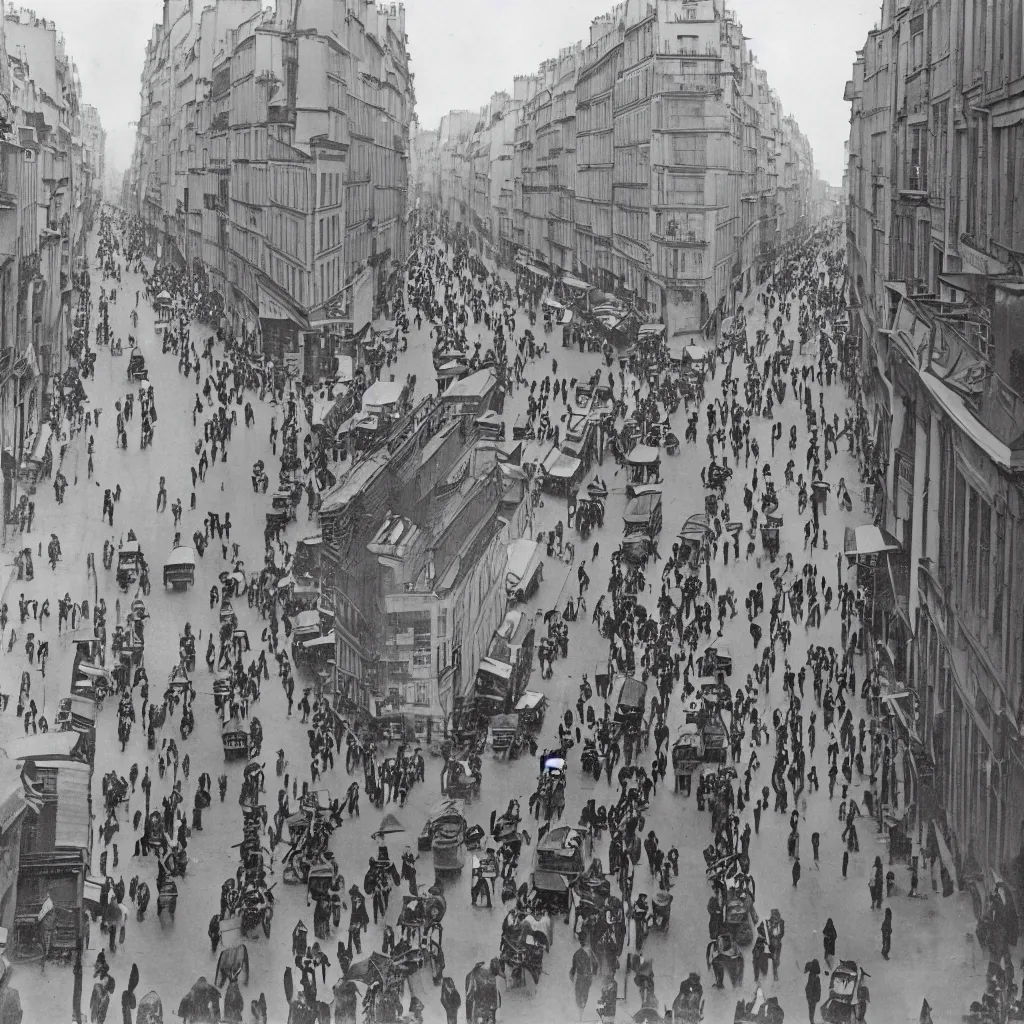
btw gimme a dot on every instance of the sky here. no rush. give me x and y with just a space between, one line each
107 40
464 50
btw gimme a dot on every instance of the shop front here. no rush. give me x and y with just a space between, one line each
282 325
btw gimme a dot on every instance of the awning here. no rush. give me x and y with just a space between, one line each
576 283
276 304
944 855
44 745
74 823
42 440
868 540
495 668
954 406
320 641
894 702
564 467
524 555
306 620
382 393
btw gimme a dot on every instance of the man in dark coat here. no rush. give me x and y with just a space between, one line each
584 965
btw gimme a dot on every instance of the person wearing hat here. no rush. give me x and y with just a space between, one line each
359 919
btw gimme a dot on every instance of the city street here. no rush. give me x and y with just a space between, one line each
929 958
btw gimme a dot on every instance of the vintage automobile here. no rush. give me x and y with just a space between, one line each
507 738
557 864
630 703
641 521
180 568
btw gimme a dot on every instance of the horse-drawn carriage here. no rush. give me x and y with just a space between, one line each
641 522
693 539
137 366
448 841
420 914
180 568
531 708
463 781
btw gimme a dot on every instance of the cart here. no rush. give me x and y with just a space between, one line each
847 992
770 536
661 910
277 520
235 738
448 842
282 501
180 568
531 708
506 739
129 559
740 917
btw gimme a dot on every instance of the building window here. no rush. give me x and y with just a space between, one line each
917 43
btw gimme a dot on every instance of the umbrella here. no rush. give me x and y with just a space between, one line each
389 825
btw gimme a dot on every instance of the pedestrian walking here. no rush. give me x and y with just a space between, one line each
887 933
812 990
